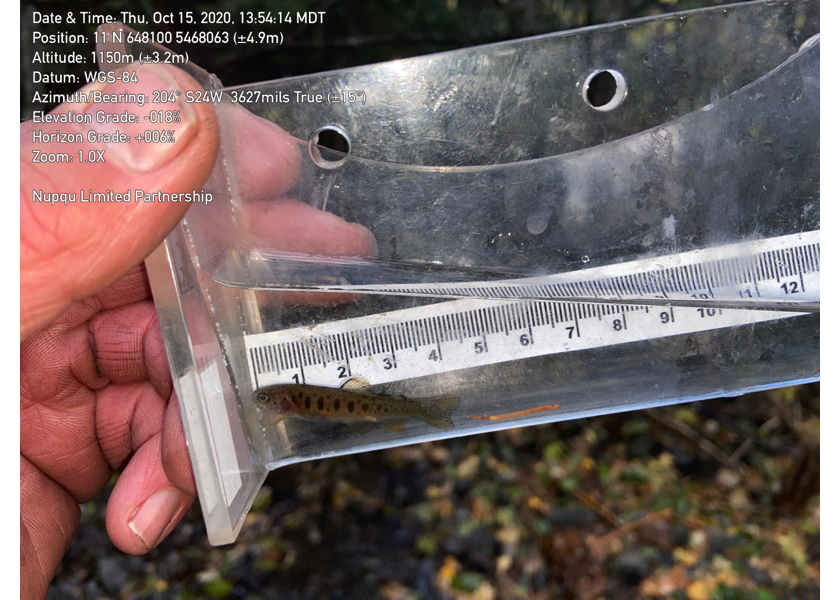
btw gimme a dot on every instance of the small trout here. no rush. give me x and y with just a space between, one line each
353 405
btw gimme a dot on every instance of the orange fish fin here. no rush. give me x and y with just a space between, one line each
438 411
395 426
359 428
356 384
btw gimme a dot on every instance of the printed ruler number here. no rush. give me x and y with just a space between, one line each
791 287
620 324
666 317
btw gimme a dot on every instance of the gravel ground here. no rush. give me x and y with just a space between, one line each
714 500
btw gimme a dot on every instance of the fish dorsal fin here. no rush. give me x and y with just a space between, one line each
395 426
356 384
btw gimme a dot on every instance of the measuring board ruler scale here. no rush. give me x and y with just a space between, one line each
474 332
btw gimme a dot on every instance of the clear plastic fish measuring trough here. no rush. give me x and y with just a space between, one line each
595 221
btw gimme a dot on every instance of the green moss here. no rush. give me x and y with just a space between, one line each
218 588
553 451
425 512
426 544
467 581
263 499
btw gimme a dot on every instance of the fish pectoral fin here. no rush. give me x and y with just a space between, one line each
395 426
278 420
356 384
359 428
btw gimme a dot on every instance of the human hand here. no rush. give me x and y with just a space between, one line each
96 393
94 381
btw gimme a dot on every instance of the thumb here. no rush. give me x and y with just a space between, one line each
70 248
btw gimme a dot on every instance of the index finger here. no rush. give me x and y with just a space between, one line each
262 165
265 160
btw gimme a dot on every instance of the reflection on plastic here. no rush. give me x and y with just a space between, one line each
481 178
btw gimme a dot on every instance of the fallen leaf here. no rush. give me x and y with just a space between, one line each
665 584
393 590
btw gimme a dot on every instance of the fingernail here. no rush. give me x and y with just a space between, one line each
154 516
164 128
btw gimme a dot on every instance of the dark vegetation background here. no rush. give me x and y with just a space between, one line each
711 500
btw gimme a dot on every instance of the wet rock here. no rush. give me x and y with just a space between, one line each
562 518
453 544
462 488
112 573
481 542
424 582
719 541
684 461
640 447
57 592
759 576
679 535
632 567
402 538
92 590
463 515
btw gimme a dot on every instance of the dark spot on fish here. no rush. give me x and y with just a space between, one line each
351 406
320 403
336 404
308 402
364 407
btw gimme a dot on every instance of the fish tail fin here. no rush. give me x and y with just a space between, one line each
438 411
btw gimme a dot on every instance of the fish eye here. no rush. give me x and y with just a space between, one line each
263 397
